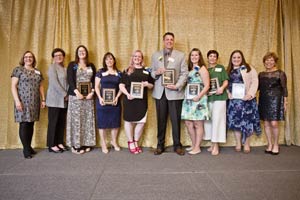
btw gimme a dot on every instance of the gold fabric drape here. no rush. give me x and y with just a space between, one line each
121 26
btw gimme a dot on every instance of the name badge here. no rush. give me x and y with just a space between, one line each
104 73
218 69
145 72
170 59
89 70
37 72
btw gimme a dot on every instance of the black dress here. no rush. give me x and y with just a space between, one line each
272 90
136 109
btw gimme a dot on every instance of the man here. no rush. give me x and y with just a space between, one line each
168 98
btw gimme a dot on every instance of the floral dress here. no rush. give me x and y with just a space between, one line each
81 116
195 110
242 115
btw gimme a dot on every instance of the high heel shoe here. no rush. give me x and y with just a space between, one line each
115 146
138 149
54 151
132 150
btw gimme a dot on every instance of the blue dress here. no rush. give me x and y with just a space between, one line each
242 115
108 116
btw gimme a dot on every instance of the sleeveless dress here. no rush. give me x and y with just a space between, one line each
195 110
242 115
108 116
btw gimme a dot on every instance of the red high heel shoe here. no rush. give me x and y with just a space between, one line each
132 150
138 149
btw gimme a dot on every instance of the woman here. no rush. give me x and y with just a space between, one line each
272 100
57 102
135 109
108 115
81 134
215 129
242 111
28 93
195 110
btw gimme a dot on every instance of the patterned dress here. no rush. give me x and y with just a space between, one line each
242 115
272 90
81 116
108 116
195 110
29 93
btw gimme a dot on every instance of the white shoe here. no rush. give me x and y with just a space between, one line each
189 149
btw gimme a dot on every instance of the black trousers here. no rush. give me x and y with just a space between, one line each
56 126
173 108
26 132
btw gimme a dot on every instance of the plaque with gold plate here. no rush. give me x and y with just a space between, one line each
137 90
192 90
84 88
108 95
168 77
214 85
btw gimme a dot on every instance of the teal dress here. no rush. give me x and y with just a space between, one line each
195 110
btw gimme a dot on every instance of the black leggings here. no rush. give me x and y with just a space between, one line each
26 133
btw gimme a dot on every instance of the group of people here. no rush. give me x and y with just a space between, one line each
225 99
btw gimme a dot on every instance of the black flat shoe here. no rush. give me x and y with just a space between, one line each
28 157
32 151
57 151
65 148
274 153
268 152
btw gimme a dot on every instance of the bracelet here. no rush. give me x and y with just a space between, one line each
43 100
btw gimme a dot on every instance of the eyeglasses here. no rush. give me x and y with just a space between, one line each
28 57
58 55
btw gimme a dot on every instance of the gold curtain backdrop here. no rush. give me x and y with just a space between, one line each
122 26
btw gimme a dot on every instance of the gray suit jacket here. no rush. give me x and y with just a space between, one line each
177 62
57 86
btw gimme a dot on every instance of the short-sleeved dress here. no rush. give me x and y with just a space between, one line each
272 90
81 115
108 116
29 93
242 115
195 110
136 109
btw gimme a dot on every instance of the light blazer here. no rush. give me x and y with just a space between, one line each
57 86
251 81
177 62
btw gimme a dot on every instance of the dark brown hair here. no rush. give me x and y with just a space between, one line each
230 65
212 52
58 50
77 57
168 33
104 58
200 62
22 63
